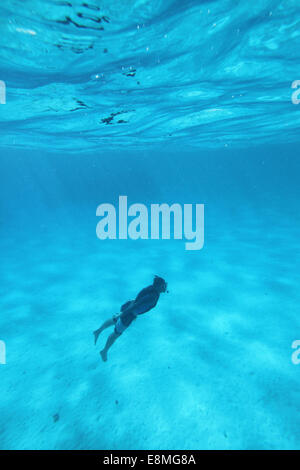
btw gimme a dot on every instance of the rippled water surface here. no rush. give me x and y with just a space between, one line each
80 75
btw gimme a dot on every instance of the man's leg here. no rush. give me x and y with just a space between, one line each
106 324
110 341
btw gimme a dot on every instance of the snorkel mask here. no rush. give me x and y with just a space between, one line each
162 283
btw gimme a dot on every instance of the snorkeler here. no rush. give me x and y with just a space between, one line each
144 301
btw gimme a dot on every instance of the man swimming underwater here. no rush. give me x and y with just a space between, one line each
144 301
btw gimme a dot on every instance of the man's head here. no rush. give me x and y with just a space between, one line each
160 284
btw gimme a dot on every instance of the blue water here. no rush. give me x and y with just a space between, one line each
165 102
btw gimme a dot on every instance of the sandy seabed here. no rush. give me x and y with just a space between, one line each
209 368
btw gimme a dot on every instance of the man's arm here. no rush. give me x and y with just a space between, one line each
147 300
